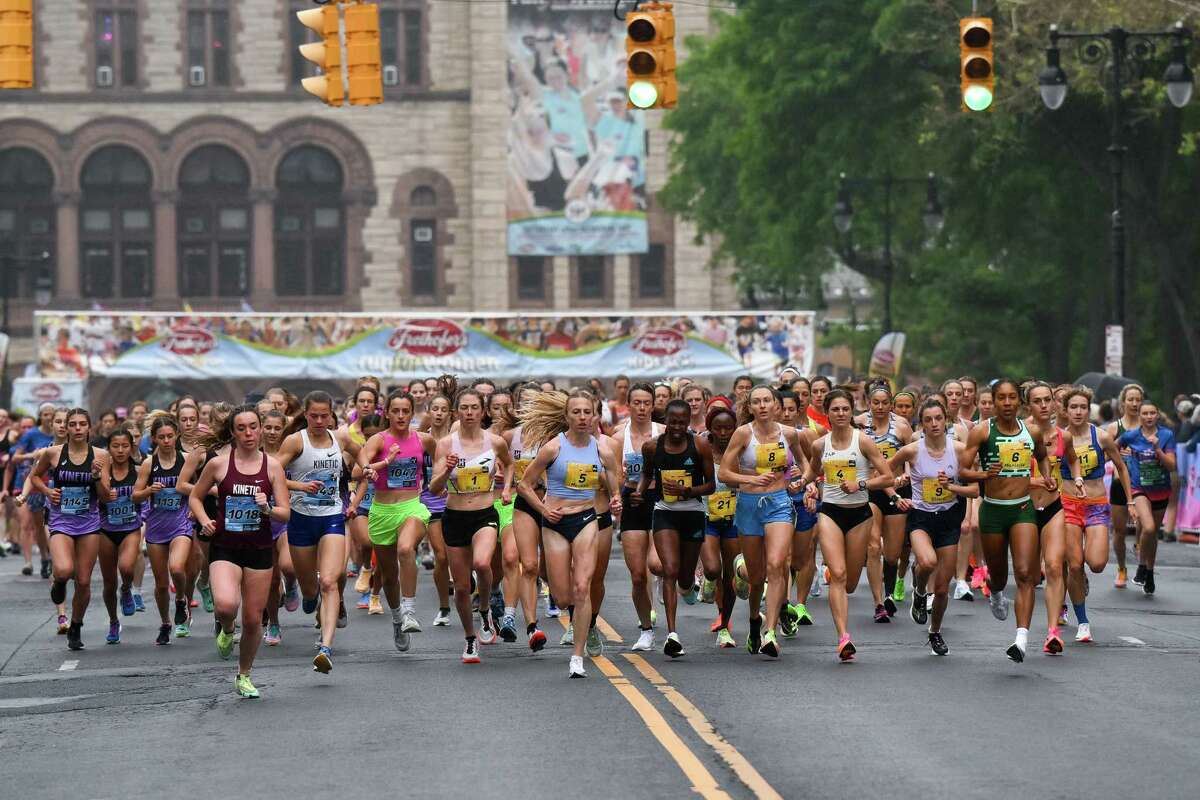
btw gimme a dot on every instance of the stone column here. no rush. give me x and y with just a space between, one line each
166 269
262 269
67 284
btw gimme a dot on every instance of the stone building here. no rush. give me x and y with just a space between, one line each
168 154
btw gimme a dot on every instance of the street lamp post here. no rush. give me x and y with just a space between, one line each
843 219
1118 52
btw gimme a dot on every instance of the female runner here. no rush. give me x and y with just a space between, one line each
1129 402
121 524
241 554
439 420
889 432
273 423
365 402
720 548
1152 450
604 533
527 530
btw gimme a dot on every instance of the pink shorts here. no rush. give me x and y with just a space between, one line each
1086 512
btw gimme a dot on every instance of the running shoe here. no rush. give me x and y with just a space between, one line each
127 605
1139 576
845 648
979 578
184 629
645 641
364 601
74 636
754 637
575 668
890 605
470 652
1015 652
496 604
881 614
374 606
1063 619
272 637
708 591
508 628
537 640
237 634
323 660
568 637
552 609
937 645
1054 642
244 687
543 588
1084 632
139 603
998 602
181 612
193 603
114 633
673 647
351 569
898 593
342 620
164 635
918 612
716 624
1148 584
805 618
206 597
690 595
1122 578
962 591
62 624
410 623
363 584
425 554
58 592
595 645
442 619
27 569
400 638
47 568
487 630
309 604
770 645
224 644
741 586
789 620
291 597
815 589
725 638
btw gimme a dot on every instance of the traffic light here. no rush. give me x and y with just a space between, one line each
16 44
650 57
326 54
363 67
975 57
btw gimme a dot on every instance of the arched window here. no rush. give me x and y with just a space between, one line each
423 244
214 224
116 225
310 242
26 215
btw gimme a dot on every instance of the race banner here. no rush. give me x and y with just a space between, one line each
700 345
576 154
29 393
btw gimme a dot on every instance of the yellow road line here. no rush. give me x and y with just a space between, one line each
728 753
609 632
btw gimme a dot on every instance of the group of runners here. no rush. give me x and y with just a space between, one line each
506 493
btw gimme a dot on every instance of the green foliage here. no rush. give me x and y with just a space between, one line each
786 95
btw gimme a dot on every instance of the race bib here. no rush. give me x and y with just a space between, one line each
886 449
840 469
75 500
932 491
676 476
167 500
582 476
1014 458
473 479
633 466
121 512
522 466
242 514
1150 471
770 458
402 473
368 498
327 494
721 505
1088 459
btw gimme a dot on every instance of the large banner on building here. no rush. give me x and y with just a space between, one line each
346 346
576 154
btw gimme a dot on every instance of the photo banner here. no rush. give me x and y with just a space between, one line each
576 154
701 345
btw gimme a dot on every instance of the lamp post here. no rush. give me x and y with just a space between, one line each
1119 53
933 216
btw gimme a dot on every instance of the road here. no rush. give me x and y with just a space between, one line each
1117 717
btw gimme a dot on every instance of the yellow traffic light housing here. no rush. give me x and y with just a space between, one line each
326 54
650 57
364 69
976 63
16 44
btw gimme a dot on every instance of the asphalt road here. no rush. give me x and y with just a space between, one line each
1114 718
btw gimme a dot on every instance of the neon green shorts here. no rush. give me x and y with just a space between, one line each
505 512
383 526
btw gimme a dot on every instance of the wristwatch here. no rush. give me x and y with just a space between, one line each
862 485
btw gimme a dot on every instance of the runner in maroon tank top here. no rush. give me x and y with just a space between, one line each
241 555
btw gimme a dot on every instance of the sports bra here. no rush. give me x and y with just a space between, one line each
762 457
575 473
472 473
1090 457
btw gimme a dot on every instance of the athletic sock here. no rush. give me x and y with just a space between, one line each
571 613
408 603
396 612
1022 637
1081 616
510 611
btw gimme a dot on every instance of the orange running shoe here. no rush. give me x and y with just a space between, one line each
1122 578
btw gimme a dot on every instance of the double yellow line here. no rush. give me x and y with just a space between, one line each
702 780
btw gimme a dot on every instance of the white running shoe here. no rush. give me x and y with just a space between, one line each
815 590
471 652
442 619
409 622
961 590
568 637
999 605
576 670
645 641
1084 634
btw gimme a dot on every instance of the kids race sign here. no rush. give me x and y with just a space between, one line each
345 346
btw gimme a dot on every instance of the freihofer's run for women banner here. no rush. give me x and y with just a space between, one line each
346 346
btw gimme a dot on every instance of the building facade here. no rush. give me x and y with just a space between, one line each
168 155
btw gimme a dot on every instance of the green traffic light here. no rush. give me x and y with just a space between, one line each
977 98
643 94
